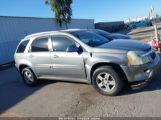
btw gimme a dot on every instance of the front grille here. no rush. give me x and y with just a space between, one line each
153 55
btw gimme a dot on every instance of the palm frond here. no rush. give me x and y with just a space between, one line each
62 10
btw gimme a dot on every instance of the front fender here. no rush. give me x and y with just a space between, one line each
119 59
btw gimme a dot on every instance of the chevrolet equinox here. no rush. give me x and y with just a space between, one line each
84 56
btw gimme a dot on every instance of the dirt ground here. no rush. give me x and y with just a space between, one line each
144 33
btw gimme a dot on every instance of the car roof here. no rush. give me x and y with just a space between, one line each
40 34
69 31
51 32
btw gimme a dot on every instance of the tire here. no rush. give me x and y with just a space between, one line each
107 81
29 77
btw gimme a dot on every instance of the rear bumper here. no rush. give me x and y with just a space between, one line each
142 73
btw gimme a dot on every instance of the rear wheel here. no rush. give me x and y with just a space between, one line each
29 77
107 81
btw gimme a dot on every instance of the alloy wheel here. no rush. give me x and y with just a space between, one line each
28 77
105 82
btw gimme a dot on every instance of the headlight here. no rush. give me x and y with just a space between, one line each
138 57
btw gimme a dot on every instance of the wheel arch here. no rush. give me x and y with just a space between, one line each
115 66
22 66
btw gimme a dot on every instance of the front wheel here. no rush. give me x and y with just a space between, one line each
29 77
107 81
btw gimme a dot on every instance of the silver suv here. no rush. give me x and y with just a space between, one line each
84 56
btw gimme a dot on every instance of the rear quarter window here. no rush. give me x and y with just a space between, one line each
21 48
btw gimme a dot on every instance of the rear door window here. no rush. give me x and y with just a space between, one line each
21 48
39 45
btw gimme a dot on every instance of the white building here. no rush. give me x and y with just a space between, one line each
136 19
13 29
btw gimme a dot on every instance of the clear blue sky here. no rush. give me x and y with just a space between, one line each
100 10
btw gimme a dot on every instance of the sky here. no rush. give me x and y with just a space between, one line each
100 10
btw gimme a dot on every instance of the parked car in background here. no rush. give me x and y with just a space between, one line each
144 23
110 36
84 56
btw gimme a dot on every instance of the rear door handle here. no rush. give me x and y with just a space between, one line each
56 56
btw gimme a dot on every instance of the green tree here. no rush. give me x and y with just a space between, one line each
62 10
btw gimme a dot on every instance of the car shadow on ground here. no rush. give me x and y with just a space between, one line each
13 90
153 85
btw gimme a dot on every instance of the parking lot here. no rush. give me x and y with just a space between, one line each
67 99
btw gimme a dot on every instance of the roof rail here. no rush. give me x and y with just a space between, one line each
40 33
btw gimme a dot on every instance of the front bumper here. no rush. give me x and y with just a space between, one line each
141 73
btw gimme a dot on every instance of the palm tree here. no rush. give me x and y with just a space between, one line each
62 10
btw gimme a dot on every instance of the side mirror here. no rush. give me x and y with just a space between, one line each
74 48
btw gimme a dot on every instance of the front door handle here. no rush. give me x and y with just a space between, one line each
31 56
56 56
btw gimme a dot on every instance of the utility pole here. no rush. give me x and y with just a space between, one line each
156 32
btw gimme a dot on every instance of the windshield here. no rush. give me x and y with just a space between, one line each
103 33
111 36
90 38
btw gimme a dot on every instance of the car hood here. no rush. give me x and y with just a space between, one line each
119 36
124 45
